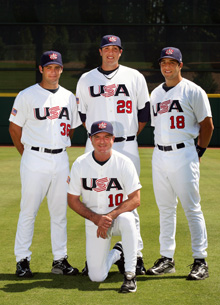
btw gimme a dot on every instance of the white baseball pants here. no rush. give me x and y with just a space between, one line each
42 174
98 254
176 174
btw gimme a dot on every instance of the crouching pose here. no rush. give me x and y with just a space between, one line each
110 190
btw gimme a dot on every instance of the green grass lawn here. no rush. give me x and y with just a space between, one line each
46 288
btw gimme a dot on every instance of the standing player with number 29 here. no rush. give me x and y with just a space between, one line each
180 113
42 121
117 94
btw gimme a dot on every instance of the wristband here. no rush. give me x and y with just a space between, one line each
200 150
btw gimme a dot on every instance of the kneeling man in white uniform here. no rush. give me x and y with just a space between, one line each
110 189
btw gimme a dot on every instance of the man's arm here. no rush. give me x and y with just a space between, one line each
15 133
78 206
141 127
143 117
83 118
128 205
205 133
71 133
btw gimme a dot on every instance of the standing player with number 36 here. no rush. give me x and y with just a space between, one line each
180 113
117 94
42 122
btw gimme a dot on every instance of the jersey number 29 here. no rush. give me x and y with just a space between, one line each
123 106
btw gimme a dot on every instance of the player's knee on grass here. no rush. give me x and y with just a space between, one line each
97 275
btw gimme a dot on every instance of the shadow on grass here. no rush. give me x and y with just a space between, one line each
51 281
160 277
83 283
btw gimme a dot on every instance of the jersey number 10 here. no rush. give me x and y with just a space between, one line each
115 201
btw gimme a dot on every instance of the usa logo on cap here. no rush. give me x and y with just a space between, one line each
53 56
169 51
102 125
112 39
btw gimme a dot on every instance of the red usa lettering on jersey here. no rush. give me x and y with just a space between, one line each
164 107
107 91
51 113
54 112
100 185
167 106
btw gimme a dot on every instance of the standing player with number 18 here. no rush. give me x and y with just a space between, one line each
42 121
180 113
117 94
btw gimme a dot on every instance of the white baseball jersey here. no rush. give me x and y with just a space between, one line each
116 98
104 187
46 118
176 113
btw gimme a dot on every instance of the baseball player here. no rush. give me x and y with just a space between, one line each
120 95
42 121
110 189
180 113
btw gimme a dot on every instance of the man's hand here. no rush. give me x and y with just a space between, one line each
104 222
102 232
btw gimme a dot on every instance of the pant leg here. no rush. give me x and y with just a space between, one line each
57 204
130 149
125 226
187 190
166 200
34 185
100 259
97 252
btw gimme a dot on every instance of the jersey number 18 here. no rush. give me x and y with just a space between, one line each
177 122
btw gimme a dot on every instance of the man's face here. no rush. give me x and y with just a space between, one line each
51 73
102 143
170 68
110 56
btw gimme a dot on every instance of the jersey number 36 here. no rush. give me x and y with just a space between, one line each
65 129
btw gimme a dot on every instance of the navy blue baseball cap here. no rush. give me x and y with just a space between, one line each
101 126
110 40
51 57
171 52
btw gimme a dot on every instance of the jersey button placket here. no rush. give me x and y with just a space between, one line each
54 127
110 105
100 194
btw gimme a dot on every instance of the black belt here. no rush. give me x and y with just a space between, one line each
47 150
121 139
169 147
